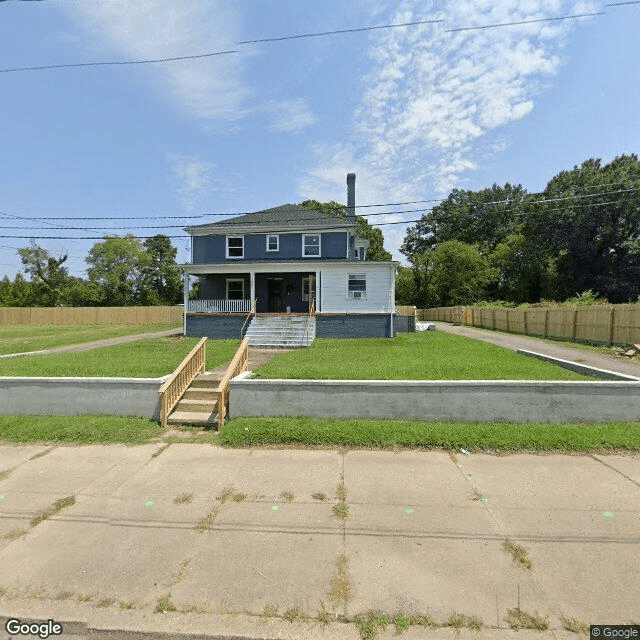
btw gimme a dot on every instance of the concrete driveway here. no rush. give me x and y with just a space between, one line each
257 544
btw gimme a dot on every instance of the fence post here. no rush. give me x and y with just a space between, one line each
508 323
493 318
574 324
611 314
546 323
524 315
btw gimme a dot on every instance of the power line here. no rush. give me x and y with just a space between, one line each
338 31
299 36
511 24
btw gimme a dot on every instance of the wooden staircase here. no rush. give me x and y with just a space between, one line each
199 404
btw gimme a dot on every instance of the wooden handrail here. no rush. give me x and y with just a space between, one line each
178 382
236 366
250 314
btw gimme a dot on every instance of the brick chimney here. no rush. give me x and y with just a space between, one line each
351 198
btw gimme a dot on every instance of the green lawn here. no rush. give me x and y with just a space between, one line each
21 338
425 355
324 433
383 434
150 358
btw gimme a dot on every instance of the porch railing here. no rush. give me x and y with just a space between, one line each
219 306
250 315
236 366
178 382
312 306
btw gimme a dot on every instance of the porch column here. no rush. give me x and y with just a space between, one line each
185 300
317 291
252 285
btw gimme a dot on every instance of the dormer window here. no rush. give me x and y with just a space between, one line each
311 246
235 247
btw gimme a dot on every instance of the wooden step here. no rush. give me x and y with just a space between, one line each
207 380
190 417
197 406
196 392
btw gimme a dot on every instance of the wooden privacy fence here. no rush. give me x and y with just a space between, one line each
605 324
178 382
90 315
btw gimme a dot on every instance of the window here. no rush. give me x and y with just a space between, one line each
306 288
357 287
235 246
311 246
273 243
235 289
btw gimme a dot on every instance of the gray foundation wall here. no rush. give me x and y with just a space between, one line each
468 401
74 396
215 327
361 325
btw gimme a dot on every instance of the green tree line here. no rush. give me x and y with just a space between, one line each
581 233
122 271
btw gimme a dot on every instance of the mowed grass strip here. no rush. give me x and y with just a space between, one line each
410 356
78 429
22 338
388 434
149 358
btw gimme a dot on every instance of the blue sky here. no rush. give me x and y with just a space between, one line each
413 111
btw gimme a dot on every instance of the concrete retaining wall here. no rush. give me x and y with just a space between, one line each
73 396
215 326
465 400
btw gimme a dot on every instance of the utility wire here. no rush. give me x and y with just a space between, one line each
295 37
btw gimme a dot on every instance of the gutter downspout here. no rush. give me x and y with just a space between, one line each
185 300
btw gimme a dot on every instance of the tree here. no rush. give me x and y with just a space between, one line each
47 274
482 218
117 265
405 286
592 225
455 273
376 250
160 272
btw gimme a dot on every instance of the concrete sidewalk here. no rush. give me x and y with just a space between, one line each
98 344
515 342
239 542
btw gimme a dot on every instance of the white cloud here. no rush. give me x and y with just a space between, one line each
151 29
194 177
290 116
435 103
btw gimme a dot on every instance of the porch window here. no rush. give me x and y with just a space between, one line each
357 287
306 289
311 246
235 246
273 243
235 289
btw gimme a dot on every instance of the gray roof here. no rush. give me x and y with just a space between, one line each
286 214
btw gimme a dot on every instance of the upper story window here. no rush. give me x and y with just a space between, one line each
235 246
273 243
311 246
357 286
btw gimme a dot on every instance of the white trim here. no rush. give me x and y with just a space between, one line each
319 254
260 229
286 266
227 248
227 281
277 237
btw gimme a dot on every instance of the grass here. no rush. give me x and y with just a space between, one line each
370 623
385 434
410 356
22 338
78 429
459 621
150 358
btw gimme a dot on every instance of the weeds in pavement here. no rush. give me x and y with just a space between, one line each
459 621
58 505
574 625
239 497
269 611
164 604
125 606
64 595
518 553
183 498
341 511
160 450
402 623
370 623
105 602
287 496
324 616
318 495
519 619
340 590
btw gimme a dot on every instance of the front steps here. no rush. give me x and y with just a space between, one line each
281 331
199 404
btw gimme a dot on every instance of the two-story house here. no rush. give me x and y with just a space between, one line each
288 262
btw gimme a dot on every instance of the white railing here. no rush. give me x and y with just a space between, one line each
219 306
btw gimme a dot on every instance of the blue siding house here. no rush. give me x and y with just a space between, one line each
285 262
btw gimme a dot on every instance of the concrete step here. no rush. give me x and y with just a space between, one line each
191 417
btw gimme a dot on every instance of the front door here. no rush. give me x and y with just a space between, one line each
274 295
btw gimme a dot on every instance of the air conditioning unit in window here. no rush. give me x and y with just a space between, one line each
357 294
